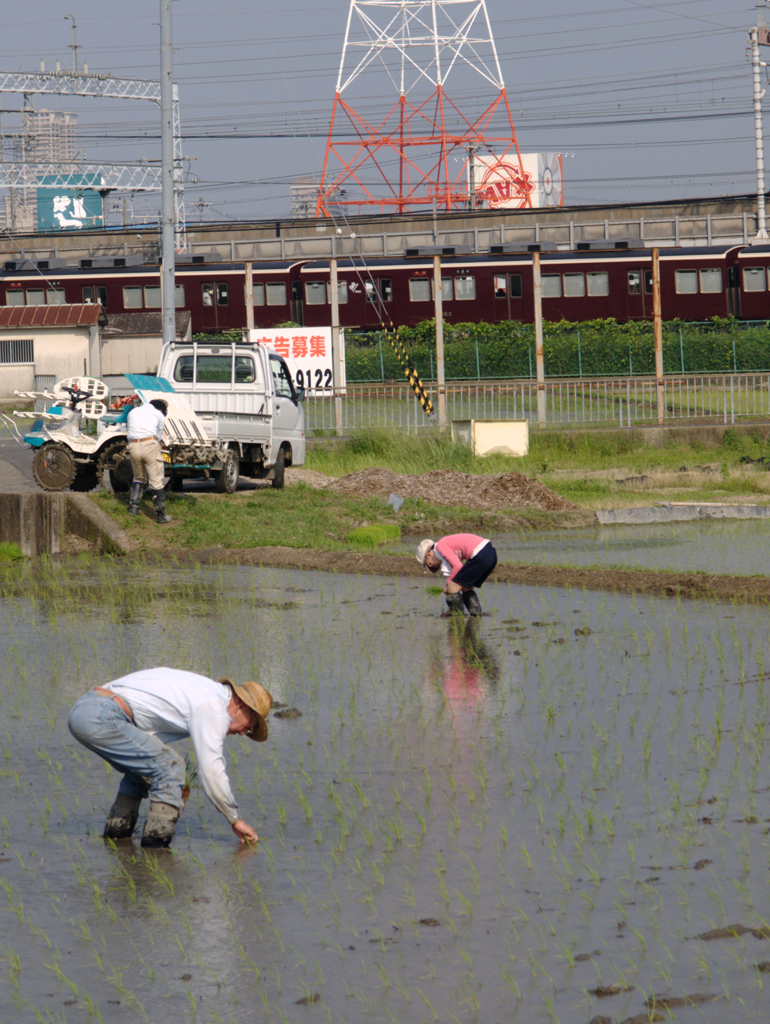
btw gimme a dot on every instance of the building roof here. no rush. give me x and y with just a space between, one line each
85 315
137 325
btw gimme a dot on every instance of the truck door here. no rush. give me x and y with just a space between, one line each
288 418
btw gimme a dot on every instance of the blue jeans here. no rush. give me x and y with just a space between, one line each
149 767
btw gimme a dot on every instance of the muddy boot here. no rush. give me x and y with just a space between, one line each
159 500
121 820
160 824
134 497
471 602
454 603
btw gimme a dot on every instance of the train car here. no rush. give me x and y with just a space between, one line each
212 291
753 271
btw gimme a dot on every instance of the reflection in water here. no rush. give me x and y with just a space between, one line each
463 667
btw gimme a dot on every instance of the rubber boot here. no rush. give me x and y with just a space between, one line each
121 820
134 497
159 500
160 824
454 603
471 602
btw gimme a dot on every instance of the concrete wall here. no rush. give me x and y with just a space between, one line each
130 355
16 378
59 352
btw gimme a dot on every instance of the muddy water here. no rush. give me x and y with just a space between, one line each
733 547
462 812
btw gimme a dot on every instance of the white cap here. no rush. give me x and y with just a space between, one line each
423 548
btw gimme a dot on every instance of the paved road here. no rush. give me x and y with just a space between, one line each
15 468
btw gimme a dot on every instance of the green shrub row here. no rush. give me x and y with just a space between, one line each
588 349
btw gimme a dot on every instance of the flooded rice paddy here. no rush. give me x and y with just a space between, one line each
540 815
731 547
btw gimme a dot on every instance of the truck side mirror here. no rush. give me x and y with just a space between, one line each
301 394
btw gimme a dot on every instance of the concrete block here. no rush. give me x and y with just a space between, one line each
485 437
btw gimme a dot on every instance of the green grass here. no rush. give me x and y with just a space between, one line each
10 552
373 536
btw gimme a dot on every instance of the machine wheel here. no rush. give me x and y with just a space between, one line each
115 460
86 478
175 484
54 467
227 477
278 469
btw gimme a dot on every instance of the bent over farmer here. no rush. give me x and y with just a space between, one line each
145 433
129 723
449 554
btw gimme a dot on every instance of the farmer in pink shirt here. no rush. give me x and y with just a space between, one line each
449 554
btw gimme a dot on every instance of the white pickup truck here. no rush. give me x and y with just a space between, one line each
245 397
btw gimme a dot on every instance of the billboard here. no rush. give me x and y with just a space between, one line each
501 185
308 353
74 208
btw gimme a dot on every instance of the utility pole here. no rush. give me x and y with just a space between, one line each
336 347
74 44
657 327
438 303
537 289
759 36
168 291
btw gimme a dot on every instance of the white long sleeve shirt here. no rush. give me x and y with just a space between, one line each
145 421
172 705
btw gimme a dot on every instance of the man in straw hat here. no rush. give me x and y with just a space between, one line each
466 560
129 723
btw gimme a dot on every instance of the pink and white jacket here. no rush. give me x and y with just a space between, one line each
456 549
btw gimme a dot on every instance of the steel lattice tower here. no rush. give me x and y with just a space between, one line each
404 157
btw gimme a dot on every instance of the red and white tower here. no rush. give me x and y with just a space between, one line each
413 146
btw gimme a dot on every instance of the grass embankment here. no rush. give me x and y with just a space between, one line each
586 469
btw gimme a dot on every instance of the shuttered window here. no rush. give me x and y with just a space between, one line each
16 350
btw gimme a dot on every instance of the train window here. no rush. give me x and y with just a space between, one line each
598 282
223 295
244 370
501 286
447 289
276 293
35 297
215 369
55 297
179 296
686 282
634 282
315 293
516 289
152 298
754 279
132 297
342 292
710 280
208 294
551 286
183 371
419 289
648 282
88 293
465 287
574 285
14 297
259 293
381 289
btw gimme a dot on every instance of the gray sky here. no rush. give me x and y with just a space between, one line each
646 101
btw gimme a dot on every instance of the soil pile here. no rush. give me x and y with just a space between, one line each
447 487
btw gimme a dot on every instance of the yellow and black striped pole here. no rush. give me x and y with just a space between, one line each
409 371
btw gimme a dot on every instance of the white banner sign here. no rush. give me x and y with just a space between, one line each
501 184
308 353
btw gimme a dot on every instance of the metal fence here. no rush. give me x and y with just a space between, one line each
623 402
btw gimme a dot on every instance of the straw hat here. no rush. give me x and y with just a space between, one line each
423 548
259 700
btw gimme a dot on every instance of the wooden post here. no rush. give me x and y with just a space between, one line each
249 296
438 306
537 288
336 374
658 331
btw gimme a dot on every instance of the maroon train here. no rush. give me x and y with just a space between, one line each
583 284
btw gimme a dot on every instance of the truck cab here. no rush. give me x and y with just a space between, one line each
244 395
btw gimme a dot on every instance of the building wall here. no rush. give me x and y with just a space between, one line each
16 378
61 353
130 355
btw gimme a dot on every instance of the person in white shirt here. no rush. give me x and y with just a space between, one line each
145 433
130 722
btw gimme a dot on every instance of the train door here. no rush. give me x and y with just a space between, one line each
733 292
297 310
215 302
379 300
638 285
93 293
508 292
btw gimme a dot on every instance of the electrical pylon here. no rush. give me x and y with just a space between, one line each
403 156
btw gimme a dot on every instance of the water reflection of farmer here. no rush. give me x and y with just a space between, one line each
471 666
130 722
449 554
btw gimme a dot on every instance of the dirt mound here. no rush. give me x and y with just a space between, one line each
446 487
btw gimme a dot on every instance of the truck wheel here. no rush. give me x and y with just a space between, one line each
227 477
54 467
86 479
279 470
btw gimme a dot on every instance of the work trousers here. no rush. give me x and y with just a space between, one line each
149 767
147 463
